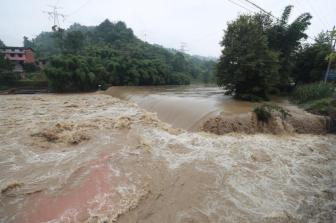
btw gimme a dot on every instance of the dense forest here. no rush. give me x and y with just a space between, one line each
263 55
81 58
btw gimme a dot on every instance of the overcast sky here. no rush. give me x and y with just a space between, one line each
198 23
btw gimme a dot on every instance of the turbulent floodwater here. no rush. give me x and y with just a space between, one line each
95 158
184 107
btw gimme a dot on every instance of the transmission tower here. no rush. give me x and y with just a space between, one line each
183 47
144 34
55 15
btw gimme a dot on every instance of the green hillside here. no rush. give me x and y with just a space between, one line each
83 57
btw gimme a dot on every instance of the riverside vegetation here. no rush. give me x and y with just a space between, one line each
81 58
95 158
317 98
263 56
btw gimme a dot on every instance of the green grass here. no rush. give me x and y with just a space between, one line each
31 84
36 76
305 93
325 107
3 87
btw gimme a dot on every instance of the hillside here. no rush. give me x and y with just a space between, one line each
83 57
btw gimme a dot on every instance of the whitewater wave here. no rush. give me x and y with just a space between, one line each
94 158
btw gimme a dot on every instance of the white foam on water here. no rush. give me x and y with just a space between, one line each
259 175
256 177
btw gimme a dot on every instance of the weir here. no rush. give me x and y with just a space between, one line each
185 107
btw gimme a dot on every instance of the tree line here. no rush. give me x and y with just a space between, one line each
83 57
262 55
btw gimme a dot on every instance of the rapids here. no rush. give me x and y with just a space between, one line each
95 158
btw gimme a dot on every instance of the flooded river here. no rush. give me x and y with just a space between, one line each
95 158
185 107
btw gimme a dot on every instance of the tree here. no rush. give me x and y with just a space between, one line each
312 59
27 43
286 39
115 56
70 73
247 67
110 32
2 44
7 77
179 62
74 41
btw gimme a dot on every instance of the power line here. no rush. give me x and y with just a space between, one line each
317 14
79 8
326 11
261 9
241 6
269 13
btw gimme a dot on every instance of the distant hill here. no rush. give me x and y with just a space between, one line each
120 57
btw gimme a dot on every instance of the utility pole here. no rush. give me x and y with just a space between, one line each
332 45
54 14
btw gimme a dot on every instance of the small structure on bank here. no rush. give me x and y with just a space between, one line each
19 56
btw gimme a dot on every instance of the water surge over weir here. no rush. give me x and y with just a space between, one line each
185 107
206 108
95 158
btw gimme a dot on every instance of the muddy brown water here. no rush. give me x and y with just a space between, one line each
185 107
95 158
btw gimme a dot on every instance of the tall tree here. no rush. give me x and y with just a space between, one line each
247 67
7 77
2 44
27 43
311 61
114 55
286 39
179 62
74 41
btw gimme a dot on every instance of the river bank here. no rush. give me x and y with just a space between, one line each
95 158
297 120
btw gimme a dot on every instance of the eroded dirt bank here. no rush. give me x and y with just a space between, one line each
298 121
94 158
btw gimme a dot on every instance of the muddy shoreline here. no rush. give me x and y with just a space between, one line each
95 158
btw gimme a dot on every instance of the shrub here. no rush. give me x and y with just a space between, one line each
31 84
251 97
314 91
36 76
8 77
178 79
264 112
30 67
70 73
323 107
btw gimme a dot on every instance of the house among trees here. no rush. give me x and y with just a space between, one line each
19 56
